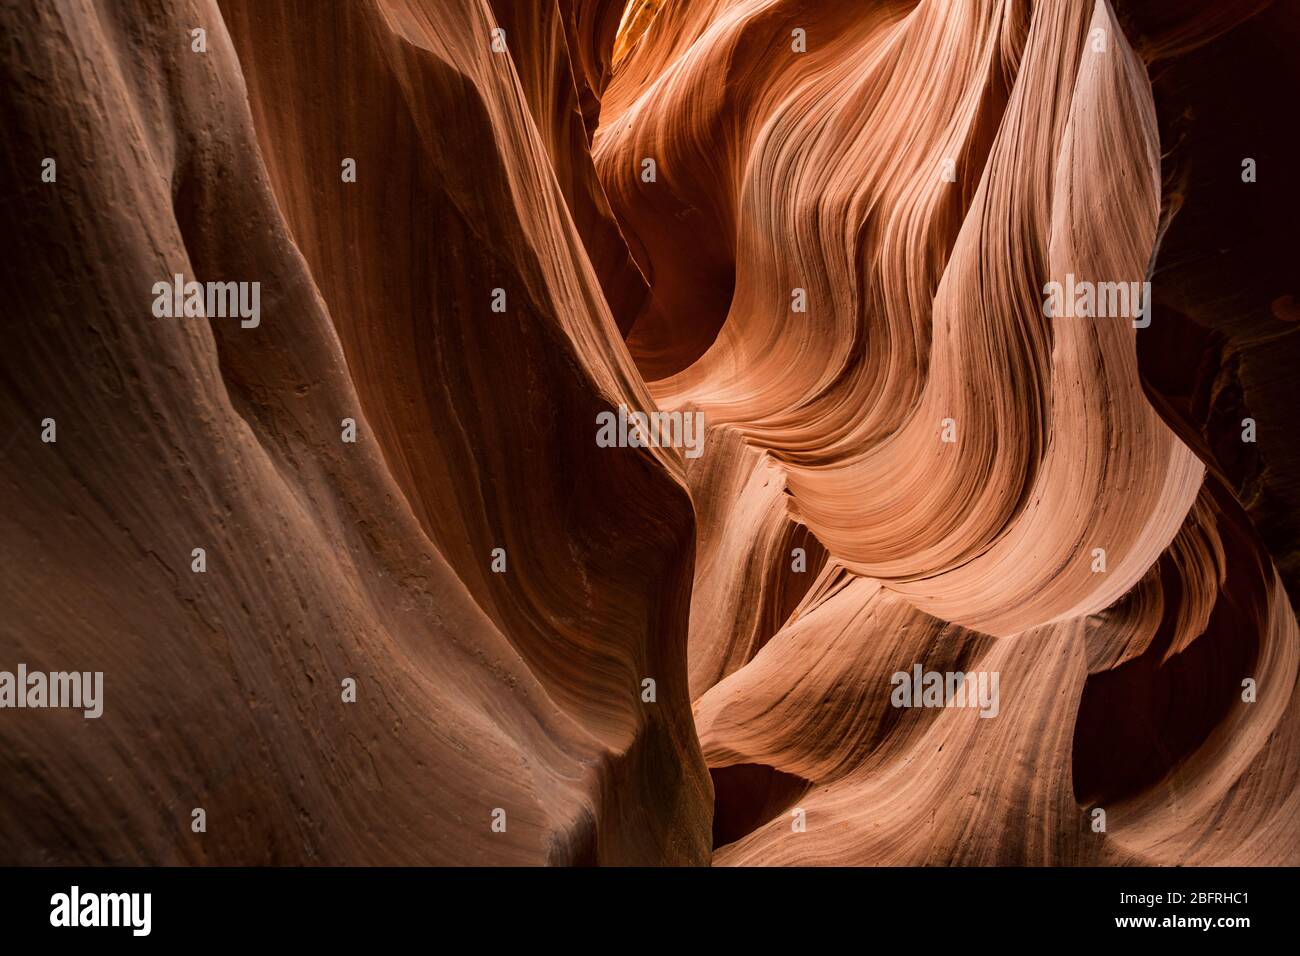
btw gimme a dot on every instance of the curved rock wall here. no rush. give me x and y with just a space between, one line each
438 619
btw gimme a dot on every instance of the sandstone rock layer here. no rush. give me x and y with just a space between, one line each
827 228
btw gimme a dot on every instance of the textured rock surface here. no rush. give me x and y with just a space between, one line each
943 457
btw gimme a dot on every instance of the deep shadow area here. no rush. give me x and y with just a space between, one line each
1138 721
747 796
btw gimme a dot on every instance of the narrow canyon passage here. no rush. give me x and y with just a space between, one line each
835 279
732 432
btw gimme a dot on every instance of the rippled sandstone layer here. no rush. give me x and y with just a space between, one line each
838 255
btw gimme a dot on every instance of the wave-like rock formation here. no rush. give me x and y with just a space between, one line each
435 618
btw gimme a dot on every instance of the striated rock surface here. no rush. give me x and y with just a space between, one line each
827 230
326 560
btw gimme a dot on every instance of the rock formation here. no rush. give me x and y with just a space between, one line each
365 588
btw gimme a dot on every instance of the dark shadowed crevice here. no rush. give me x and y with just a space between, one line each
1139 721
749 795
